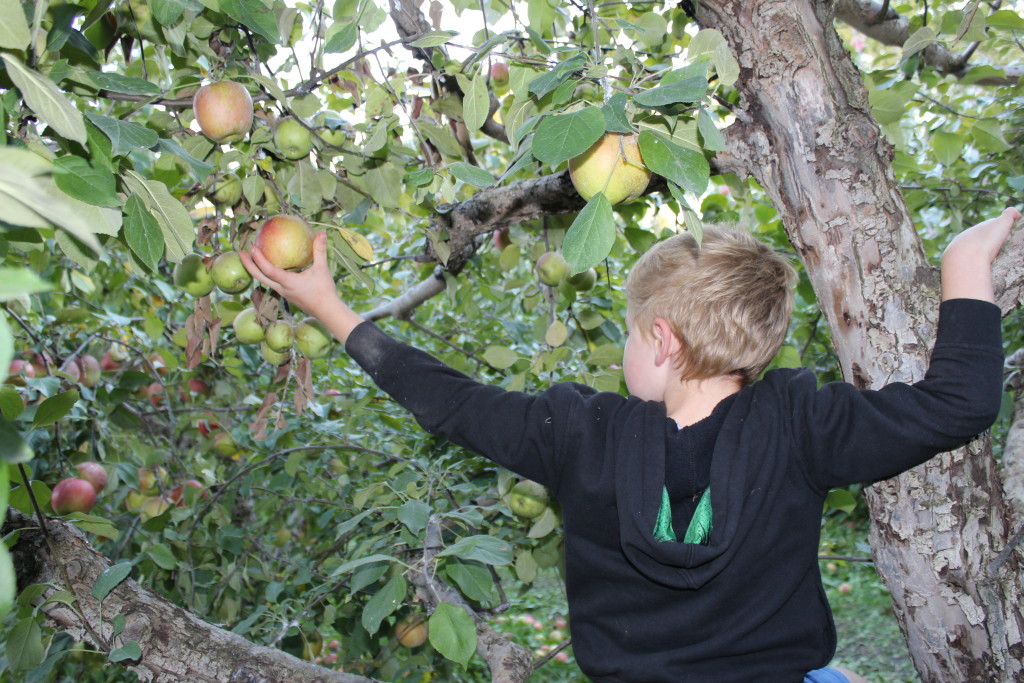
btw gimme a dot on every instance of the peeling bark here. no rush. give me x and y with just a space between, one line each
1012 469
805 132
176 645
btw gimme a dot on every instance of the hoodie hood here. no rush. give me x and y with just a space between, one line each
739 478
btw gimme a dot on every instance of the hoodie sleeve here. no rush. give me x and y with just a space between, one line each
519 431
851 436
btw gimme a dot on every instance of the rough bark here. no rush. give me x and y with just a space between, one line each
806 133
1012 463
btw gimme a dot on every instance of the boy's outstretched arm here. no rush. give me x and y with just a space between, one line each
967 261
312 290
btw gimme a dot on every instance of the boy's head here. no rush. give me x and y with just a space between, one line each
728 301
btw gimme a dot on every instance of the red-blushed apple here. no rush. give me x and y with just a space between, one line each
501 239
134 500
845 588
72 369
312 338
72 495
286 241
612 165
177 494
247 327
107 363
18 370
90 370
280 336
93 473
198 386
292 139
223 110
499 75
42 363
206 427
155 393
551 268
229 274
192 276
158 363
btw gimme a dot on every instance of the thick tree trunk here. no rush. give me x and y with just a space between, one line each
805 131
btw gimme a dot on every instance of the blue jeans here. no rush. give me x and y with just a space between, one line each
826 675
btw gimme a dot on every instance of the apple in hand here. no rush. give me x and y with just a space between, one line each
223 111
286 241
72 495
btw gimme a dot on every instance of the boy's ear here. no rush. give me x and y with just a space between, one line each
666 342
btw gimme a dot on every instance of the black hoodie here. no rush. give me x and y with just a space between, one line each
748 605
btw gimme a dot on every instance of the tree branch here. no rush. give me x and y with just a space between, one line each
1008 271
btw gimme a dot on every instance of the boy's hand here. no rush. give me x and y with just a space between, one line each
967 261
312 290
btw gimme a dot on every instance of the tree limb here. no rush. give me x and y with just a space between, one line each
176 645
888 27
1008 271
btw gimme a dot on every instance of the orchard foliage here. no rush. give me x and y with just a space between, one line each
312 498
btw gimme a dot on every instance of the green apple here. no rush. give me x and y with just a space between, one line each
192 277
612 165
528 499
273 357
224 445
228 191
223 111
584 281
247 327
551 268
229 274
292 139
312 338
280 336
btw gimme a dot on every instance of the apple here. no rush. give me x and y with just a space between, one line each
192 276
551 268
118 352
411 631
18 370
154 507
613 165
312 338
501 239
134 500
42 363
155 392
282 536
229 274
206 427
93 473
499 74
198 386
90 370
286 241
279 336
292 139
224 445
845 588
177 494
584 281
108 363
271 356
223 111
528 499
227 191
247 327
72 495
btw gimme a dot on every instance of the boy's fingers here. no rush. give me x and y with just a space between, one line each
320 250
249 261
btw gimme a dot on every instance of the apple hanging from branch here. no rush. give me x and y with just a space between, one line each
612 165
223 110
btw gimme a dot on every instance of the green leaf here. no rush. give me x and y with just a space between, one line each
109 579
947 147
355 564
93 524
988 136
474 580
615 119
85 182
714 141
919 40
128 85
545 83
124 135
142 233
8 581
486 549
129 652
11 405
889 105
341 39
254 14
468 173
434 38
201 169
560 138
690 89
47 100
383 603
414 514
25 645
500 357
452 633
167 12
684 166
5 494
591 236
476 103
163 557
841 499
173 219
54 408
14 31
15 282
13 448
606 354
1005 19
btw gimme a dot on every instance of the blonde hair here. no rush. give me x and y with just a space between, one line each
728 300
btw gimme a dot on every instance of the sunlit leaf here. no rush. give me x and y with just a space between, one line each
560 138
47 100
14 29
591 236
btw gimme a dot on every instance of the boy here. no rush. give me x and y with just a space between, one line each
692 508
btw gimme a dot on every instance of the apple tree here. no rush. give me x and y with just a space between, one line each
267 513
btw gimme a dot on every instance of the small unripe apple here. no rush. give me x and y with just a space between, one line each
108 363
72 495
312 338
154 507
247 327
286 241
177 494
229 274
91 370
499 76
411 631
271 356
280 336
223 111
612 165
192 277
584 281
228 191
93 473
528 499
134 500
292 139
501 239
551 268
224 445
